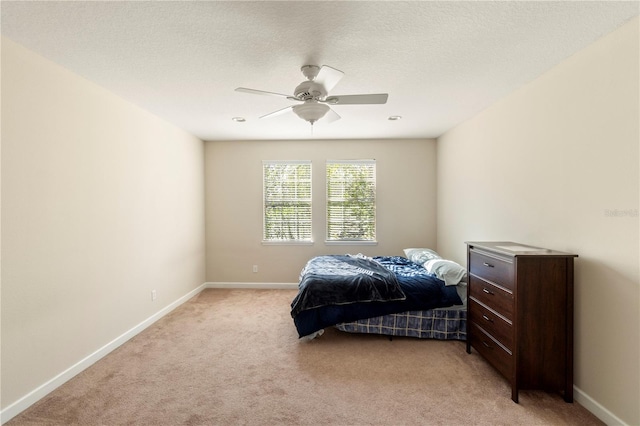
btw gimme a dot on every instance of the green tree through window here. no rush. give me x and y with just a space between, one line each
351 200
286 200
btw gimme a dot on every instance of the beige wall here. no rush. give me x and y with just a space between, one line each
406 173
549 165
101 203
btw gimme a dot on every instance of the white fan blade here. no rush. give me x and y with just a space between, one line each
328 77
331 116
278 112
262 92
379 98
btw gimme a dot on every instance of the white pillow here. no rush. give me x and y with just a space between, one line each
446 270
420 255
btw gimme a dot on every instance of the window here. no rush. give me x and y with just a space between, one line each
286 201
351 200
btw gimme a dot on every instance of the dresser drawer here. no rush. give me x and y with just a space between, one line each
494 324
491 350
492 296
491 268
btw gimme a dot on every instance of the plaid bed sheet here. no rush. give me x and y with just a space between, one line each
440 324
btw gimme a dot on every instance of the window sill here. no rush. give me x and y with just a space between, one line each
350 243
287 243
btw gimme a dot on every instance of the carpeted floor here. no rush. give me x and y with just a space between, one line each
232 357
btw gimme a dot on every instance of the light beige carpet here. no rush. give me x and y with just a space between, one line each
232 357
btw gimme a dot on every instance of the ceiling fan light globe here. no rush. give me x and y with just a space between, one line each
311 111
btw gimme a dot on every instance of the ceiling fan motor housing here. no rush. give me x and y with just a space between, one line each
308 90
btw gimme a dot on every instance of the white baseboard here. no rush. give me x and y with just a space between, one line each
35 395
272 286
596 408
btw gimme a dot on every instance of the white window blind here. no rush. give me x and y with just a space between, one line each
351 200
286 201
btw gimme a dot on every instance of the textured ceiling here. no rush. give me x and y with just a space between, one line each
440 62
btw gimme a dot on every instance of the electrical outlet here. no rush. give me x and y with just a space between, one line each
153 295
255 268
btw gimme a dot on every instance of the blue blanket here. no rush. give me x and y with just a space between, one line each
344 279
421 292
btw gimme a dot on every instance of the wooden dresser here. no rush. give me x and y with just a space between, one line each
520 314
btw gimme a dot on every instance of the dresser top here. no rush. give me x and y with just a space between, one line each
510 248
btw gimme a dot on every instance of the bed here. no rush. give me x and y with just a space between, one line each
419 295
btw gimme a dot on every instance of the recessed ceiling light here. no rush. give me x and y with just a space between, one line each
239 119
395 117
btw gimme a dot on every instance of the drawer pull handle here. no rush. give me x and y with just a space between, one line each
487 291
488 265
487 345
486 318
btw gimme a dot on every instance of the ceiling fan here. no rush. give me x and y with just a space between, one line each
314 95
